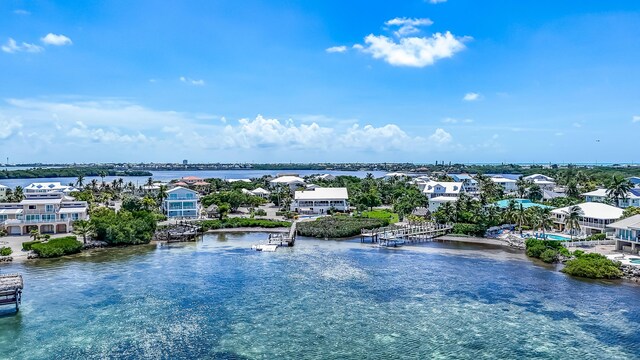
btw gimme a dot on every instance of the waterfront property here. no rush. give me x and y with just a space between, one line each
436 202
49 213
469 184
48 187
545 182
595 219
600 195
191 180
181 203
435 189
320 200
326 177
507 184
627 234
3 192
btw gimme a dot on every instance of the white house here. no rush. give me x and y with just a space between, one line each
540 177
257 192
595 219
320 200
181 203
635 181
3 192
543 181
293 182
627 234
48 187
468 182
435 189
508 185
600 195
327 177
436 202
49 213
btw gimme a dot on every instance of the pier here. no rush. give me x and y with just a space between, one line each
393 236
11 286
275 241
179 232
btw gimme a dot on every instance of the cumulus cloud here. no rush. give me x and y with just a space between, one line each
456 121
336 49
190 81
12 46
413 51
471 96
103 136
56 40
440 137
8 127
407 26
635 119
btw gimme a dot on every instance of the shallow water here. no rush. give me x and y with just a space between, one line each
319 300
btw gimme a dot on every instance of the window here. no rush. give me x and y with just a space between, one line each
48 208
3 217
32 207
75 216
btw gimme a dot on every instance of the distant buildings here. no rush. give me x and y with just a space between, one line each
3 192
49 213
48 187
293 182
543 181
600 195
508 185
468 182
320 200
181 203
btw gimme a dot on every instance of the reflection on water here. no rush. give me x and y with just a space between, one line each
215 298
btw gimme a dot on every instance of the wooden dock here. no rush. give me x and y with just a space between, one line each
11 286
276 240
393 236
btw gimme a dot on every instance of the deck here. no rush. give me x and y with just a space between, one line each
393 236
11 286
275 241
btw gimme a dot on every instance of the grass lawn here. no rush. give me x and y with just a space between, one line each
382 214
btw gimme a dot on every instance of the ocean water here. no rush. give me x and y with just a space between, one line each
217 299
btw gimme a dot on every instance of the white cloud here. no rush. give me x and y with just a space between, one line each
436 1
413 51
336 49
7 128
471 96
408 26
190 81
104 136
21 12
11 47
455 121
635 119
56 40
440 137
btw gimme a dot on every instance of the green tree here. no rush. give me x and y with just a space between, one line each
535 193
84 228
18 194
162 194
630 211
572 189
572 219
543 219
521 217
34 234
523 186
223 210
80 181
618 188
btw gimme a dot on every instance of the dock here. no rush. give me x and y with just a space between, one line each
11 286
398 235
275 241
179 232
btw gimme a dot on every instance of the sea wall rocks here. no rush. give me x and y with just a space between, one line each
6 259
631 272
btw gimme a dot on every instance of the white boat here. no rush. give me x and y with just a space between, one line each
264 247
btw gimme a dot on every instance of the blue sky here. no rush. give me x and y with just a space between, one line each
307 81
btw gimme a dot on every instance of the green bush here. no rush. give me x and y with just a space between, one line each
593 266
58 247
5 251
578 253
468 229
388 216
549 256
241 222
124 227
26 246
338 226
259 212
596 237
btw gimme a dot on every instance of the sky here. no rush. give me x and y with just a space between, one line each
320 81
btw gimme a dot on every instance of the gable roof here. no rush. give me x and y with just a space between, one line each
181 188
450 187
632 194
632 222
594 210
287 179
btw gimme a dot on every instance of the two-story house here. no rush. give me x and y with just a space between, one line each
49 213
181 203
320 200
600 195
48 187
595 217
627 234
440 192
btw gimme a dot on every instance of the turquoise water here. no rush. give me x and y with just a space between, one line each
635 261
557 237
320 300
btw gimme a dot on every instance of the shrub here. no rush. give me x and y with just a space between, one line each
593 266
468 229
5 251
57 247
124 227
596 237
230 223
385 215
578 253
338 226
549 256
260 212
26 246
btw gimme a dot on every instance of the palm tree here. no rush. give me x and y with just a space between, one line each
149 203
521 217
102 176
162 194
80 181
34 234
18 194
149 182
572 189
572 218
522 185
535 192
94 185
543 220
84 228
618 189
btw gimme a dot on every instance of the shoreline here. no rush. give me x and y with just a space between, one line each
474 240
248 229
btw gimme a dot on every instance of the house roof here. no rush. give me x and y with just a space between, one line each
288 179
396 174
632 194
545 177
71 210
548 195
41 201
2 186
191 178
47 186
594 210
500 179
236 180
632 222
443 199
181 183
10 211
181 188
201 183
450 187
322 193
261 191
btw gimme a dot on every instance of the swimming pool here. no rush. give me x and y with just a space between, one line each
634 260
557 237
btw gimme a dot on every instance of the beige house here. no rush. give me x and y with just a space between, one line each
3 192
50 213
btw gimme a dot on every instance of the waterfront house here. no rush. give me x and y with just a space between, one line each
434 189
3 192
326 177
436 202
507 184
468 182
48 187
49 213
627 234
545 182
191 180
293 182
181 203
600 195
595 219
550 195
261 193
320 200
